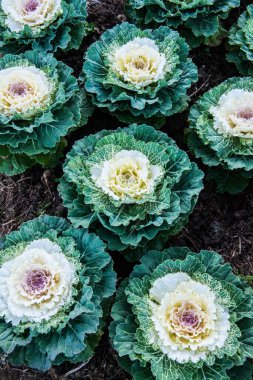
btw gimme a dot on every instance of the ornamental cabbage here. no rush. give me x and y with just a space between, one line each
198 20
40 104
240 43
131 186
43 25
183 316
55 289
139 75
221 133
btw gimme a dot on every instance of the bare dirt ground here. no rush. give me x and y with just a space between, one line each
219 222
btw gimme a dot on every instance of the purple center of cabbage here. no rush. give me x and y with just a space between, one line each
189 318
18 89
31 6
36 281
246 114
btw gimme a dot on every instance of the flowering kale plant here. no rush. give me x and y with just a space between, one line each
44 25
129 186
55 285
40 103
183 316
139 75
199 20
221 133
240 43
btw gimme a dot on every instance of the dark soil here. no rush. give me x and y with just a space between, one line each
219 222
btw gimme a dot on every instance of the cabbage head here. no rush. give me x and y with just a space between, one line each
184 316
40 104
42 25
221 133
55 288
139 75
200 21
240 44
133 186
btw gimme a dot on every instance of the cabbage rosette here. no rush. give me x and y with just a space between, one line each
55 289
200 21
131 186
43 25
139 75
221 133
40 104
183 316
240 43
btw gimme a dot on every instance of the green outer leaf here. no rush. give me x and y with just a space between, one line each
246 327
215 372
243 372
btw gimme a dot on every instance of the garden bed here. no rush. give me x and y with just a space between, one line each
220 222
